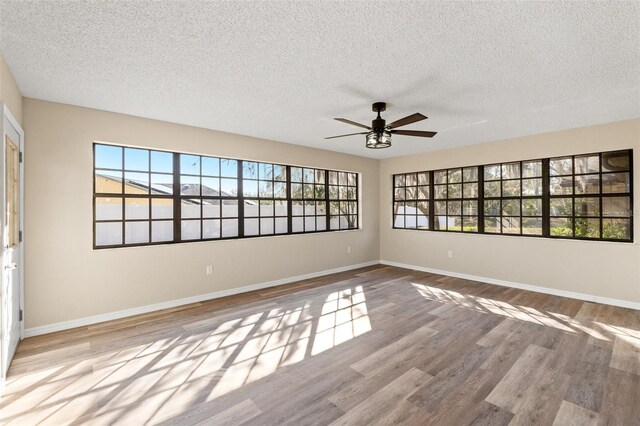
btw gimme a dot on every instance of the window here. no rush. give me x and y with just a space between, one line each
513 198
456 199
146 196
585 196
308 199
343 200
590 196
411 200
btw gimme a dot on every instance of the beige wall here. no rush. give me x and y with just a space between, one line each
596 268
9 92
66 279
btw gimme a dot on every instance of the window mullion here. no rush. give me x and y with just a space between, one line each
546 199
240 200
177 202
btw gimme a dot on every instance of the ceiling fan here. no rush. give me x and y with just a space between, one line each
379 133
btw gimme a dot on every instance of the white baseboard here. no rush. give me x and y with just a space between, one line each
81 322
529 287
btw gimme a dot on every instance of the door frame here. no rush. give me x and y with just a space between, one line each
3 339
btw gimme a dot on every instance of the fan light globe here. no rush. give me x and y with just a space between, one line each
378 140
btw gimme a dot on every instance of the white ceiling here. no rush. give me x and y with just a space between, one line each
281 70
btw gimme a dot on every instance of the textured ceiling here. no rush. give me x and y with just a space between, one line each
281 70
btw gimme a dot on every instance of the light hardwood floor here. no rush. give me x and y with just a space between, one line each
379 345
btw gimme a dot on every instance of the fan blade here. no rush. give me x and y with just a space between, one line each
344 120
342 136
420 133
407 120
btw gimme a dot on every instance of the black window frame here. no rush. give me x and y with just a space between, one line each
546 197
177 198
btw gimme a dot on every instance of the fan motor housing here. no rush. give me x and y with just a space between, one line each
378 125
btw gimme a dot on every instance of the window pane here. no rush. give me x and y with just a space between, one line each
492 225
440 176
454 208
587 164
211 229
108 234
228 168
455 191
617 229
531 187
531 226
510 208
423 178
136 159
470 174
398 181
470 208
455 176
161 231
532 207
108 157
297 224
136 208
440 207
266 226
210 187
228 187
250 188
561 185
492 207
189 185
190 229
251 208
561 207
280 174
210 166
136 183
511 171
229 228
108 208
561 227
410 179
470 190
561 166
136 232
440 191
108 182
454 223
492 172
423 192
531 169
251 226
265 171
211 208
511 188
587 207
615 161
587 184
161 162
250 170
510 225
492 189
161 208
470 224
161 184
587 228
281 225
229 208
615 182
190 209
189 164
616 206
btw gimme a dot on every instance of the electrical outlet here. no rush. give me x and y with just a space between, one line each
209 270
450 253
349 250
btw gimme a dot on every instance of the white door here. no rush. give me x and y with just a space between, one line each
11 240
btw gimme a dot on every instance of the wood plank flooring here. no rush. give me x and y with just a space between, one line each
378 345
